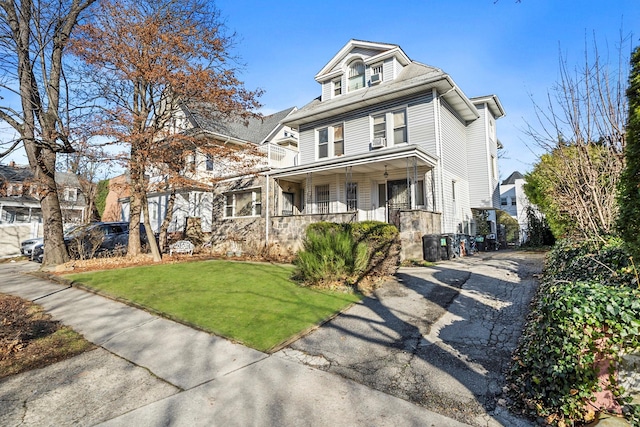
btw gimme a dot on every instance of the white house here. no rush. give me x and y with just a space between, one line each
515 202
275 144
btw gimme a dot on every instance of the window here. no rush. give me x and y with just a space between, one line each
352 196
322 198
356 75
338 140
243 203
70 194
323 143
209 162
503 201
453 190
420 193
396 132
377 69
379 126
331 141
513 201
337 87
399 127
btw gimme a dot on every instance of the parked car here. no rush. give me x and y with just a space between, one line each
95 239
26 246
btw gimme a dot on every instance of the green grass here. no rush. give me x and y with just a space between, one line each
255 304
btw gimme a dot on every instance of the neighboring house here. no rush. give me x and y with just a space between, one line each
515 202
19 202
276 145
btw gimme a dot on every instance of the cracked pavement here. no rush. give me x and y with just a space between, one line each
440 337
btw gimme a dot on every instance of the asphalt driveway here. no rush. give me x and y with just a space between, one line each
438 337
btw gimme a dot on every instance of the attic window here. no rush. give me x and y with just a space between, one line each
356 75
337 87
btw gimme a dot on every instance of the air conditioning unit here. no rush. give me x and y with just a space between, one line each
379 142
375 79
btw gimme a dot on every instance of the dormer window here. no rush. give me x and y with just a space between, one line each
376 74
337 87
356 75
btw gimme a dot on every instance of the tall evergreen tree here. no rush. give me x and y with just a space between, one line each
629 187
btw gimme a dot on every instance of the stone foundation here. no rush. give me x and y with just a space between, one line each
413 225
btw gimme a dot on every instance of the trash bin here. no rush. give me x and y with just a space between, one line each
446 249
480 243
431 247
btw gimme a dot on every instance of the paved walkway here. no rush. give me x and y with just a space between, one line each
149 371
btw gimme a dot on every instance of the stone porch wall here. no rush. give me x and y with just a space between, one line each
288 231
413 225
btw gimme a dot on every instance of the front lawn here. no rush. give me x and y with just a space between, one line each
255 304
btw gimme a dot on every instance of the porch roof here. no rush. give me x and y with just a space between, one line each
370 162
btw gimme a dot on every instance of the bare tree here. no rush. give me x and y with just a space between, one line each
149 58
582 129
34 35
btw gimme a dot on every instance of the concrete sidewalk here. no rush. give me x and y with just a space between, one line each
178 375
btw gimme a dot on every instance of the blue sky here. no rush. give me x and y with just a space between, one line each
506 48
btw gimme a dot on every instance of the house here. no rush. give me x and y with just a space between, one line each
388 139
20 210
208 177
19 202
515 202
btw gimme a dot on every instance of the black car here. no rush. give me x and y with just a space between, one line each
95 239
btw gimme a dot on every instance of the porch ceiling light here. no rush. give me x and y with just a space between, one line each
386 174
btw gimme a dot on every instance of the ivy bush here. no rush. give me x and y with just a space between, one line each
337 254
587 310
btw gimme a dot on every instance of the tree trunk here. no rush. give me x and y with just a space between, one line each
168 216
135 208
153 245
53 233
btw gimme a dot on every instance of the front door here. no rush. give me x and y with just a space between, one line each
397 199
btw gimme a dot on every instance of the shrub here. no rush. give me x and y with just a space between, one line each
587 310
338 254
607 263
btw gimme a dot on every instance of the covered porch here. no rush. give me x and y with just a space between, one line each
375 186
395 185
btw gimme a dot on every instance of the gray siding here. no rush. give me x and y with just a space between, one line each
421 124
454 144
479 162
357 134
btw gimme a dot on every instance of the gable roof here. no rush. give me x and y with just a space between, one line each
254 130
374 52
414 78
511 180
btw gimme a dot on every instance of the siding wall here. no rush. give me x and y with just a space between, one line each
358 130
483 146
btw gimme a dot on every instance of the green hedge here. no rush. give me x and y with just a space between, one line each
587 309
